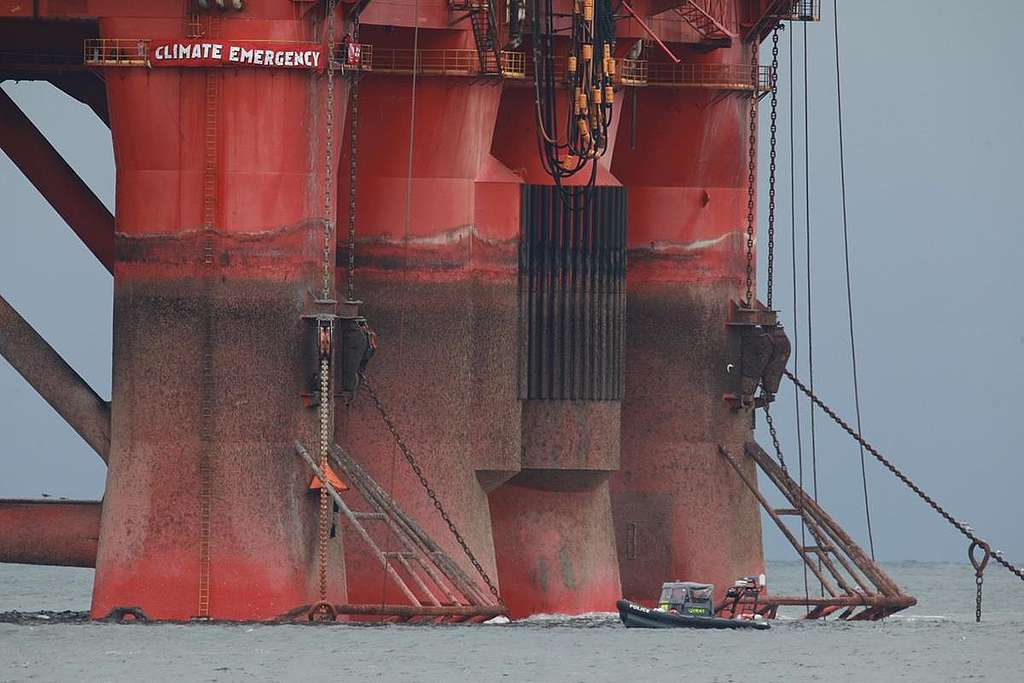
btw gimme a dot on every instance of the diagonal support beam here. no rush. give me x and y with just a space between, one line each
55 380
66 192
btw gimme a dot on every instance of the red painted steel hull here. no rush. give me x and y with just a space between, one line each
209 345
680 512
567 504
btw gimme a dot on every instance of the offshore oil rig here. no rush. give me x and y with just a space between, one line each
423 309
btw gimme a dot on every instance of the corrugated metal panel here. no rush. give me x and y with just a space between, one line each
572 285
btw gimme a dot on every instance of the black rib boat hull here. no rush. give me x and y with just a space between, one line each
637 616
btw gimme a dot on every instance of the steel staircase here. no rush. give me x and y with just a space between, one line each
434 586
698 14
853 584
485 33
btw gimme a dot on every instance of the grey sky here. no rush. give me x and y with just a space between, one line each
932 110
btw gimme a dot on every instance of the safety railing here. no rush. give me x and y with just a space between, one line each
641 72
708 76
427 62
803 10
632 71
116 51
513 64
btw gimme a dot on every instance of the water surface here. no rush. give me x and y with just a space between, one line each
935 641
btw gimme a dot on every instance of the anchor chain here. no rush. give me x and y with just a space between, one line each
958 525
329 219
354 78
772 165
324 528
431 494
326 330
752 171
775 437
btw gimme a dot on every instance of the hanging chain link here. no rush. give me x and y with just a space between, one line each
775 435
325 420
979 579
979 565
431 494
352 164
752 170
326 404
329 218
771 168
959 526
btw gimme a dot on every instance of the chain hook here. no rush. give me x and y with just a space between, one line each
979 565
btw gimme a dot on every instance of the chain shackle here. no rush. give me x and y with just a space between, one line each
979 564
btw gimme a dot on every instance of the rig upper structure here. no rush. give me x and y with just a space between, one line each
556 322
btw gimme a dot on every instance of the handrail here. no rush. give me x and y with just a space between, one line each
427 62
642 72
116 51
465 62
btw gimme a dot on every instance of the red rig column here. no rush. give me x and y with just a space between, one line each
219 196
553 530
436 268
680 511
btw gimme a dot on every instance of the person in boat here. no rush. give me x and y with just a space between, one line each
687 597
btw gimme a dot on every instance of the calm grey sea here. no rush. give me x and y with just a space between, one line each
935 641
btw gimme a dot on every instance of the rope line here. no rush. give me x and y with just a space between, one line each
796 302
810 309
849 288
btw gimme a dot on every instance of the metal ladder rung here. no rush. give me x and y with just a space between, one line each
369 515
788 511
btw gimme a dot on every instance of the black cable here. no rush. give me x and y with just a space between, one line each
810 309
796 305
849 289
585 132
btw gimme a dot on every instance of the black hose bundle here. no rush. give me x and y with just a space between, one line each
588 88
